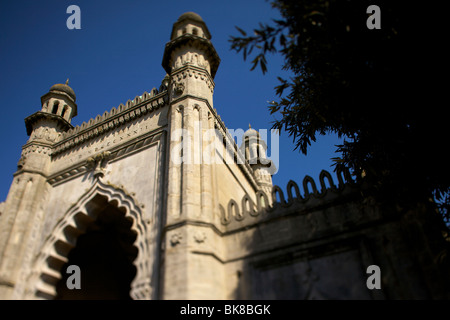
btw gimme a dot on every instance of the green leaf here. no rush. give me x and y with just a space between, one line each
241 31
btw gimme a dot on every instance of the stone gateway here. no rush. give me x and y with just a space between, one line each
109 197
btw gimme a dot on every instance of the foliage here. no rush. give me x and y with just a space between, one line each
375 88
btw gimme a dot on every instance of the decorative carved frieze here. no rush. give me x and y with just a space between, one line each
115 118
190 71
98 161
35 148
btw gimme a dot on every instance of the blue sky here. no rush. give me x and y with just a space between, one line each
117 55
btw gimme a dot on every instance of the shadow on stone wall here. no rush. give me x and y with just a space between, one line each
319 244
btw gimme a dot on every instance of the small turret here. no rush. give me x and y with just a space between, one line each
190 23
58 109
60 100
190 45
254 148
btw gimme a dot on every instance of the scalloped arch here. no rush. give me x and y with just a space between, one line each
292 184
56 247
326 175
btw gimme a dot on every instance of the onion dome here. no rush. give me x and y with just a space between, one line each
59 87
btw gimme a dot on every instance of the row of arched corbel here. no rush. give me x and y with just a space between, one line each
248 207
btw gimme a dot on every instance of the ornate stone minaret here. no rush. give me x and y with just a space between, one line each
27 194
254 148
191 62
58 109
45 128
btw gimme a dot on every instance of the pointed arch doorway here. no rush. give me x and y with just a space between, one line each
103 232
105 254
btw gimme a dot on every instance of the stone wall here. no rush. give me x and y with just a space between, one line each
319 245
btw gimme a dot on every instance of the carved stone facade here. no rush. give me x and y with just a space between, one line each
139 182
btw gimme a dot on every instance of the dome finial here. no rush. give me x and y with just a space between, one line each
249 126
67 82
